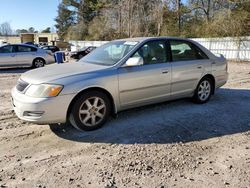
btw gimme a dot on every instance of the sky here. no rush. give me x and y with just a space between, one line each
22 14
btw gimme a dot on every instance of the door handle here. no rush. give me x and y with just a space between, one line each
213 63
164 71
199 67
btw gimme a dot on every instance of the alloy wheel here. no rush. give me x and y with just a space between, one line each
92 111
204 90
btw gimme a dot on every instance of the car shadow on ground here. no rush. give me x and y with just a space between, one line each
179 121
13 70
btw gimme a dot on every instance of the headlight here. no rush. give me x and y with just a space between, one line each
44 90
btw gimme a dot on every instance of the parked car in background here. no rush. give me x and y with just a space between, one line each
82 52
23 55
119 75
31 43
53 49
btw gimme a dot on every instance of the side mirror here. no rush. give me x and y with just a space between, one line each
134 61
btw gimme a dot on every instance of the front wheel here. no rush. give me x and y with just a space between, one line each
203 91
90 111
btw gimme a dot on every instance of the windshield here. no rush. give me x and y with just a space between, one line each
110 53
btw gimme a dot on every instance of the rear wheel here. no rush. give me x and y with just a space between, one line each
37 63
203 91
90 111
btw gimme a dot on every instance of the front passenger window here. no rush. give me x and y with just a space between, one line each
152 52
6 49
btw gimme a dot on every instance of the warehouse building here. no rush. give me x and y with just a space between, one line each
37 38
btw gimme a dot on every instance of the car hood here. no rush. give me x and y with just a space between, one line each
58 71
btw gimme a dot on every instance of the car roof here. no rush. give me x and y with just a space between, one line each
28 45
141 39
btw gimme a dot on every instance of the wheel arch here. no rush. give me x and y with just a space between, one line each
113 107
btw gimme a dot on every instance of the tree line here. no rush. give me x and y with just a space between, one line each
110 19
6 30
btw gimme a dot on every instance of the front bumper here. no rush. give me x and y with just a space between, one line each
41 110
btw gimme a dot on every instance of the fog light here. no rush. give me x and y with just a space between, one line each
33 113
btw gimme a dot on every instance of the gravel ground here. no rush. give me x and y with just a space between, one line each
173 144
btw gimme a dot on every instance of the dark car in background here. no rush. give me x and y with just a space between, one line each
82 52
32 44
53 49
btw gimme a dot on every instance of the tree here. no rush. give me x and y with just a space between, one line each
5 29
64 20
18 31
82 13
47 30
111 19
31 30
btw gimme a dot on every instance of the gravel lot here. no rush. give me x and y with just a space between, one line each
176 143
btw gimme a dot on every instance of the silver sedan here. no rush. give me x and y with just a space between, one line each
23 55
121 74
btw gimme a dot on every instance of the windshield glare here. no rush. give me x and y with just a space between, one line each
110 53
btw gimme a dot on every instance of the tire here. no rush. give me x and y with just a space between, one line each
38 62
90 111
203 91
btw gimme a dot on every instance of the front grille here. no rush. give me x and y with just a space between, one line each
21 85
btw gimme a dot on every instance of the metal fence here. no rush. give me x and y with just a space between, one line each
237 49
232 48
76 45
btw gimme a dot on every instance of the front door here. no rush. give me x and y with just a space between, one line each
7 56
147 83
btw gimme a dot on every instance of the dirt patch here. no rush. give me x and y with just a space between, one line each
171 144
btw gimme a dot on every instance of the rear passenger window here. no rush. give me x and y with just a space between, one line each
25 49
185 51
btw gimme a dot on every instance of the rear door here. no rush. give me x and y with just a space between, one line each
7 56
147 83
25 55
188 66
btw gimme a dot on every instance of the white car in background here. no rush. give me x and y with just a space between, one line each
23 55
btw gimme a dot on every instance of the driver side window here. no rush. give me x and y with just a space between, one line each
152 52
